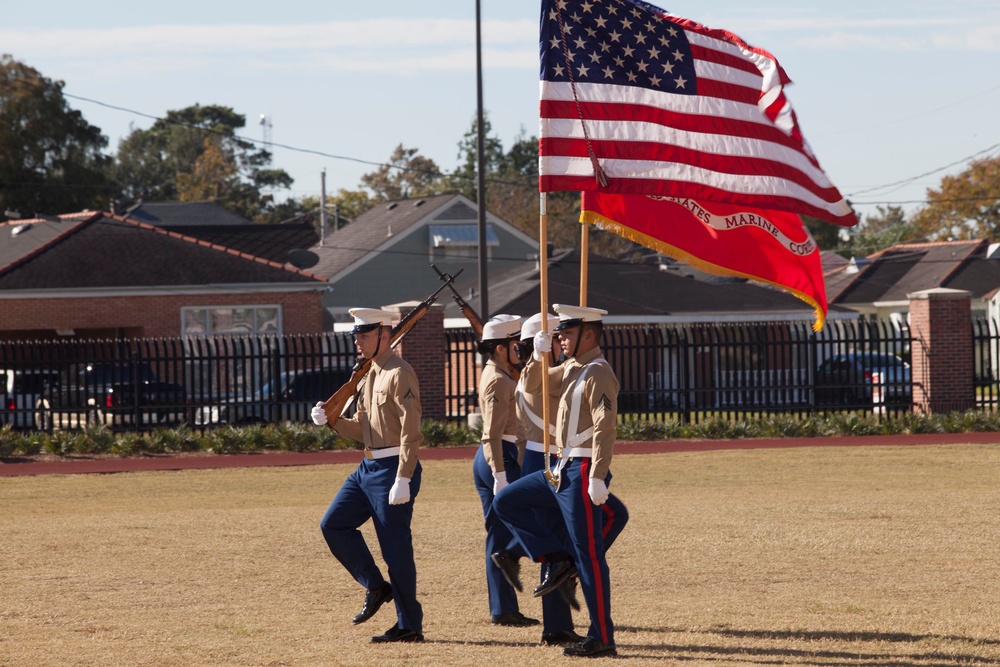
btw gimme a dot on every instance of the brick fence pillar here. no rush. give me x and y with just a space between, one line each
941 352
425 348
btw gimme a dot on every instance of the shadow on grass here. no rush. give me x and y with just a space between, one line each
826 658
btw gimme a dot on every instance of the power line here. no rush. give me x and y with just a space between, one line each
295 149
907 181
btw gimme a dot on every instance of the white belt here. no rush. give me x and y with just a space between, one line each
509 438
382 453
578 452
534 446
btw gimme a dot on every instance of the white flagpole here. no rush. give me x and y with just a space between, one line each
543 277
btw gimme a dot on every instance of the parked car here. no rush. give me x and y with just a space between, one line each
109 393
847 379
19 391
289 398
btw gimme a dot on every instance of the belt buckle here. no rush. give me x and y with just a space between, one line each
368 454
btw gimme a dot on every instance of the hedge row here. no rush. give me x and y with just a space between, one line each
306 437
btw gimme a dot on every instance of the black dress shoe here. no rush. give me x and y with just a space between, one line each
509 567
567 590
562 638
590 648
374 599
397 634
514 619
558 572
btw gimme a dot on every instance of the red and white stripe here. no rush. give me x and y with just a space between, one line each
737 141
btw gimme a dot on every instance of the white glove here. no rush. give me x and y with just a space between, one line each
598 491
400 491
543 345
318 414
499 481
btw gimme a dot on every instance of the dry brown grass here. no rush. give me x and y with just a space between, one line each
830 557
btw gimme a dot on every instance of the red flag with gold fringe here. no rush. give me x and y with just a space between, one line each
724 239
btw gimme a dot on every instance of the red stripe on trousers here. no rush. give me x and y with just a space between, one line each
595 566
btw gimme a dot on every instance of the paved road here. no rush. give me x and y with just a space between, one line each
11 467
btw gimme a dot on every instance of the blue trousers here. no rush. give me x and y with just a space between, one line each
363 496
584 523
502 596
556 613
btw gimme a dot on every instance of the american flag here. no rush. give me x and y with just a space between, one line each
660 105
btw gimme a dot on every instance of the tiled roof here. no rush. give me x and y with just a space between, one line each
108 251
20 238
271 242
174 213
893 273
375 228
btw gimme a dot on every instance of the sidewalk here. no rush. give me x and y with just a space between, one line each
13 467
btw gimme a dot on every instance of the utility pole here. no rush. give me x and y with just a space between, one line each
322 208
484 308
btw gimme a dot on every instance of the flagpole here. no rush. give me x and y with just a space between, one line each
584 258
543 287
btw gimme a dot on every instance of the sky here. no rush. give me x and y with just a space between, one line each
891 95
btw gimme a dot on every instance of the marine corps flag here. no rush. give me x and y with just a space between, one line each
724 239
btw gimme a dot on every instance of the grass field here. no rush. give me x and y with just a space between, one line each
884 556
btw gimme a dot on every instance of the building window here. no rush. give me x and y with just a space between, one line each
459 242
229 320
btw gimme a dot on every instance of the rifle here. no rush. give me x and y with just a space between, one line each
467 310
337 404
470 313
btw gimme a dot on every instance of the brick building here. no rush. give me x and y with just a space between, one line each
99 275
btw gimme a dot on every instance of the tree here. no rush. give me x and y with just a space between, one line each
966 206
51 159
407 174
194 152
464 178
880 231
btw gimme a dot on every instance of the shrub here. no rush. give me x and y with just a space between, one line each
438 434
295 437
10 442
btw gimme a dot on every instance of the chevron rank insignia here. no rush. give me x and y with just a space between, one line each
408 394
605 402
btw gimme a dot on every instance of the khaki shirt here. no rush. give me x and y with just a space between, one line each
388 412
496 400
526 427
598 407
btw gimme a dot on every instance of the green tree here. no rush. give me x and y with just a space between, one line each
169 162
966 206
464 178
881 230
406 174
51 159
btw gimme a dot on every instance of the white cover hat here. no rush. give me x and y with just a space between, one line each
571 316
501 326
366 319
533 325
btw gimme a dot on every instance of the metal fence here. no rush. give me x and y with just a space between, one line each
697 371
687 373
146 383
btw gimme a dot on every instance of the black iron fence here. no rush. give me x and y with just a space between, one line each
146 383
696 371
683 372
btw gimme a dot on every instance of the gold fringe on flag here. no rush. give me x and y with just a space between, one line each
607 224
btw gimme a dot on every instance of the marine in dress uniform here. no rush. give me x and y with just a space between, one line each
557 615
587 391
497 463
386 482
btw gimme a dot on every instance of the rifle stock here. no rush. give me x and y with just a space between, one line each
335 405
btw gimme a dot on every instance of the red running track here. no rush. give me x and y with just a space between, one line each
13 466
